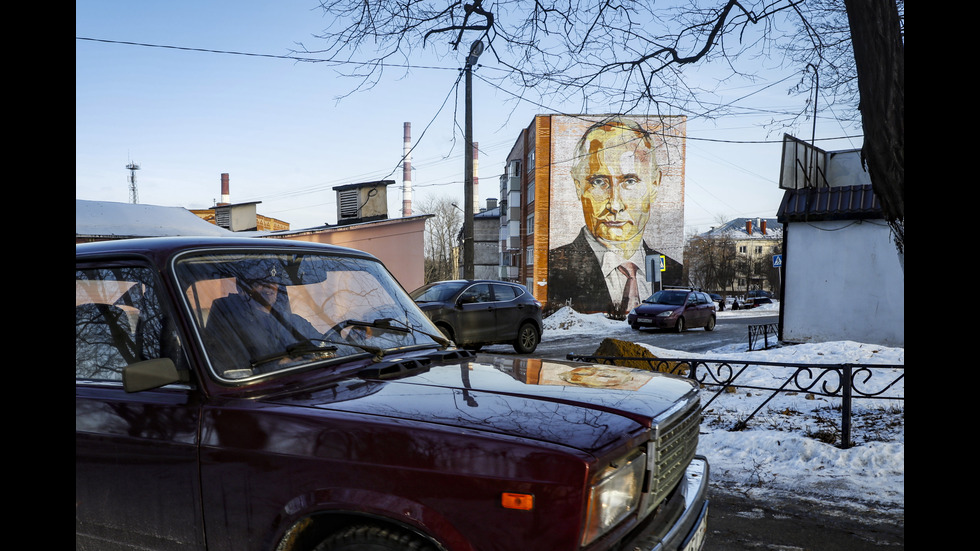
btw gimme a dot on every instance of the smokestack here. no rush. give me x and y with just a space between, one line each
476 177
748 227
225 195
762 226
407 172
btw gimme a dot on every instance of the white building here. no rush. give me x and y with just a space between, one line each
844 278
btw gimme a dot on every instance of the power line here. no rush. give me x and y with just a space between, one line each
252 54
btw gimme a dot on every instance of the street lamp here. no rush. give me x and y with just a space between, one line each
468 271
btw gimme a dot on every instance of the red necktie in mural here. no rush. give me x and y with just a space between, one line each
631 293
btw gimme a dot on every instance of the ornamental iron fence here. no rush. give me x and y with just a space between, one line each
763 332
848 382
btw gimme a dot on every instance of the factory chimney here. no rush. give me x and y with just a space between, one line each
225 195
407 172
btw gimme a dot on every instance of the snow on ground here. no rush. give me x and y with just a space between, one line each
783 450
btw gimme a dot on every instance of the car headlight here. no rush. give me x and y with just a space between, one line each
667 314
615 493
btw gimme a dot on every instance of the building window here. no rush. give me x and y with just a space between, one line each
742 249
758 250
530 191
529 260
530 224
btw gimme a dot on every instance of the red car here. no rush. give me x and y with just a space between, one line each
676 309
258 394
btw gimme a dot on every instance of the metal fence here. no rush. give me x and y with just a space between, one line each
763 332
848 382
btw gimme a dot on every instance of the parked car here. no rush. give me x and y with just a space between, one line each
476 313
675 309
756 298
255 394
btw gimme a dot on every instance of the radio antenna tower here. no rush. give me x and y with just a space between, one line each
133 196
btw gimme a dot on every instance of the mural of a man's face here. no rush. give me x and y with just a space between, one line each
616 176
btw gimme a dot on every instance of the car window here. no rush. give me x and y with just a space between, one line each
441 292
503 293
119 321
476 293
670 298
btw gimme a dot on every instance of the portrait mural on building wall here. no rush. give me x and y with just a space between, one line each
616 198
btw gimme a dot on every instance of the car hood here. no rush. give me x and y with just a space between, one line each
587 406
649 309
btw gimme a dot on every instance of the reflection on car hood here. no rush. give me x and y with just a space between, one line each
595 403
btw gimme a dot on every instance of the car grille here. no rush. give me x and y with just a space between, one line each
670 452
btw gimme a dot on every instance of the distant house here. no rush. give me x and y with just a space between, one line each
486 242
756 240
844 278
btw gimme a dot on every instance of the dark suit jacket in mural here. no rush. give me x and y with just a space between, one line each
574 273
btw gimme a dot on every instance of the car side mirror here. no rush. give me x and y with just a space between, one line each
149 374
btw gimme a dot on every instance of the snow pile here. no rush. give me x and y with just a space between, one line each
569 321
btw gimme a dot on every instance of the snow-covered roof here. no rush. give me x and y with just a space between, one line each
122 220
737 228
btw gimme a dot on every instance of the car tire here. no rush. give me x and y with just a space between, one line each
527 339
710 326
635 326
373 538
447 331
680 325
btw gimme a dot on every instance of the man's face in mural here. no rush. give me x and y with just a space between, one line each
616 176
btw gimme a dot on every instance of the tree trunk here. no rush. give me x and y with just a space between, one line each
879 55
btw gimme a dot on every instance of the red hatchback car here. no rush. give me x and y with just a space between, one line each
675 309
259 394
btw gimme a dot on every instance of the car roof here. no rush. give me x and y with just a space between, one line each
163 248
470 281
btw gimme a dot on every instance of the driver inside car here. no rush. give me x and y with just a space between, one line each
253 324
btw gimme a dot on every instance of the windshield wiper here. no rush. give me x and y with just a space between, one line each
298 348
386 323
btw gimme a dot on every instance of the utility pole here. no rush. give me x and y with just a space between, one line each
468 270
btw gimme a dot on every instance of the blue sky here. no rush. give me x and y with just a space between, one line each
277 128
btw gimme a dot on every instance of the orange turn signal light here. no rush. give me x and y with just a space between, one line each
521 502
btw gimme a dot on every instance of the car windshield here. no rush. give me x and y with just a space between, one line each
438 292
670 298
260 313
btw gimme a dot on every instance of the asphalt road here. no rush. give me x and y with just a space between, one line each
728 330
737 522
